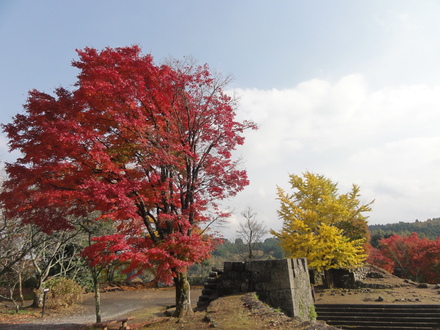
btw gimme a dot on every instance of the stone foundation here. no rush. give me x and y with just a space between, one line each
283 284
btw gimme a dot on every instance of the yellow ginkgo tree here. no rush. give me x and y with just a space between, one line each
327 228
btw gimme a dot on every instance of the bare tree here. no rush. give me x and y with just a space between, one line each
49 255
251 232
17 241
13 279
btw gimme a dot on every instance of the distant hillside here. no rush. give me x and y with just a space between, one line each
429 229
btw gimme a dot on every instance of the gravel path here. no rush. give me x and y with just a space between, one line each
113 305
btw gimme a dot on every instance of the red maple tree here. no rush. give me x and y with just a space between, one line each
147 146
375 257
409 257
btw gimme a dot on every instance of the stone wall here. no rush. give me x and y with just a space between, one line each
357 278
283 284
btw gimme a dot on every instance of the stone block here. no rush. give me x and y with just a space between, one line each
282 283
238 266
227 266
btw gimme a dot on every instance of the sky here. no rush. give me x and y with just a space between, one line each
346 89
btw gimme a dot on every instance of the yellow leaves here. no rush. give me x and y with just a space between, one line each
331 249
321 225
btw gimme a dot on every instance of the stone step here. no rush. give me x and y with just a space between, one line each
381 318
385 327
424 313
388 316
217 270
382 325
380 306
207 291
203 298
365 316
210 285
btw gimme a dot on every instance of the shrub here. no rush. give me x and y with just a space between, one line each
63 292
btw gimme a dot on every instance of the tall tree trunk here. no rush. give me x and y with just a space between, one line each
250 251
183 299
11 295
38 298
328 279
20 288
95 275
38 294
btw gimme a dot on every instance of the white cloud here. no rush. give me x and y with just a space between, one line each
386 140
5 155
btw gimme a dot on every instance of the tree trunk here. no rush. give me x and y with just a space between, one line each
20 289
38 298
38 293
183 299
11 295
328 279
97 294
250 252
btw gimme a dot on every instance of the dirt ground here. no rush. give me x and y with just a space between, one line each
241 311
117 301
384 288
149 307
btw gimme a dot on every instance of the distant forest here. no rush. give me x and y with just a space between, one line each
425 229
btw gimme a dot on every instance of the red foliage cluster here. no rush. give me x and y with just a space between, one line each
146 146
409 257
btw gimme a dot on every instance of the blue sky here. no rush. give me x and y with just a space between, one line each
347 89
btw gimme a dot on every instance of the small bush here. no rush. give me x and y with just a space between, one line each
63 292
312 313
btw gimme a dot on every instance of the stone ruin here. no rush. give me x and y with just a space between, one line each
283 284
359 278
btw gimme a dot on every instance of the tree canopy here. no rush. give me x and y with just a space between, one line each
409 257
147 146
326 227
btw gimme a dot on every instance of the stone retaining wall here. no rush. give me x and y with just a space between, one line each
283 284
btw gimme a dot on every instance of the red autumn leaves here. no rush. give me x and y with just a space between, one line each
409 257
146 146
